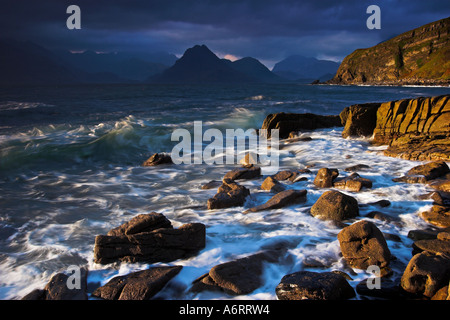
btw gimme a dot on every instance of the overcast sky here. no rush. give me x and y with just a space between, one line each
267 30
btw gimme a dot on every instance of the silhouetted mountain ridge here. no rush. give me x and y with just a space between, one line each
297 67
200 65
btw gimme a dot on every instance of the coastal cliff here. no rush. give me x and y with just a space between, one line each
417 57
414 129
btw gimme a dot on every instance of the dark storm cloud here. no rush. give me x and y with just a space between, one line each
268 30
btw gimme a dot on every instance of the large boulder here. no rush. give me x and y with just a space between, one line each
288 122
57 288
229 194
335 205
359 120
363 244
140 285
314 286
426 273
325 177
236 277
149 239
281 199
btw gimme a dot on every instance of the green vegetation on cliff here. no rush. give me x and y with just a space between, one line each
419 56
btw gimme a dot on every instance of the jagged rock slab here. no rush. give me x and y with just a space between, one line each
140 285
144 240
314 286
243 173
236 277
229 194
281 199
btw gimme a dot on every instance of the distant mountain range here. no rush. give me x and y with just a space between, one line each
29 63
300 68
201 65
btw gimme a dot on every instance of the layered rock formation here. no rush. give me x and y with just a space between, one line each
414 129
149 238
419 56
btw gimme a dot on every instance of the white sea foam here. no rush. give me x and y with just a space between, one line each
52 213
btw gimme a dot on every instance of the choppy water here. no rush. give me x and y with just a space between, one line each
70 169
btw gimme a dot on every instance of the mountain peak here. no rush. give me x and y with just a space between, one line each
200 65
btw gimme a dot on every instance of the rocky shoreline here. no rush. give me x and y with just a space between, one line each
151 238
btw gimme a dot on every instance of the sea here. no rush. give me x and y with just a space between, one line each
71 168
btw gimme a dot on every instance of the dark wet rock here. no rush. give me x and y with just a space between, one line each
288 122
380 203
352 183
388 289
391 237
157 159
325 177
286 175
293 137
432 245
213 184
153 244
357 167
426 273
363 244
359 120
314 286
382 217
317 262
281 199
334 205
229 194
422 234
438 216
36 294
236 277
140 285
141 223
441 198
59 288
425 172
243 173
